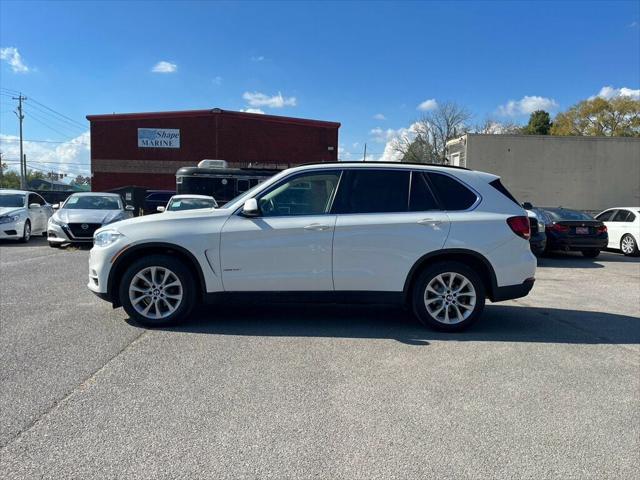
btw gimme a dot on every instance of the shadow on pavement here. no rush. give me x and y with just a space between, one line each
499 323
37 241
577 260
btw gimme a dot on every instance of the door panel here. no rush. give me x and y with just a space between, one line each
277 253
376 251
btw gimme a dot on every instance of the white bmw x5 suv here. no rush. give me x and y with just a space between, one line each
438 239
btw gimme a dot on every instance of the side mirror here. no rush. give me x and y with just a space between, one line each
527 205
55 206
34 205
161 208
129 208
250 208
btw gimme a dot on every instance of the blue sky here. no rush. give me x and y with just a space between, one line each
352 62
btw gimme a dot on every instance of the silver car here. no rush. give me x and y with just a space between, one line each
23 214
82 214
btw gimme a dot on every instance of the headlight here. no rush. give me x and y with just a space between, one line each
106 238
9 218
57 222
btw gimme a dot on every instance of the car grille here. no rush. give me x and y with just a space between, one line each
533 223
78 231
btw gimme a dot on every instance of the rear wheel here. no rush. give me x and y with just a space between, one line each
26 233
629 246
591 253
157 291
448 296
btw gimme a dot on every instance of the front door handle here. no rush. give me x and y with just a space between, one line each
431 222
318 227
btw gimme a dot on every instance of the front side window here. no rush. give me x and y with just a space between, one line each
374 191
310 194
605 216
33 198
452 194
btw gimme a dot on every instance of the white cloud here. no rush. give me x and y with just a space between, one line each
427 105
14 59
526 105
217 80
258 58
71 157
379 116
257 99
164 67
608 92
634 24
252 110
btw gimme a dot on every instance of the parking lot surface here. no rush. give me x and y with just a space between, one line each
547 386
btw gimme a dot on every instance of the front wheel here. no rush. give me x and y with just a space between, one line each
629 246
448 296
591 253
26 233
157 291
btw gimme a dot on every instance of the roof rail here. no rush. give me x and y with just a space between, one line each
351 162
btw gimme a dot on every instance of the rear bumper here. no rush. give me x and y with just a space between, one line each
538 242
509 292
574 243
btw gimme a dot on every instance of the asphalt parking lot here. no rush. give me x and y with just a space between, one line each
543 387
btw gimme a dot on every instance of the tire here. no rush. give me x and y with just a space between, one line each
26 232
55 245
463 310
629 246
591 253
137 292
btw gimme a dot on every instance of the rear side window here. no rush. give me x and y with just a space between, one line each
422 198
622 216
373 191
452 194
497 184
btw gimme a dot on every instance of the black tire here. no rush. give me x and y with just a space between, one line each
633 252
430 274
26 232
175 266
55 245
591 253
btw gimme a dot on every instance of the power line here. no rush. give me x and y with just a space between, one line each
73 141
44 123
61 121
60 114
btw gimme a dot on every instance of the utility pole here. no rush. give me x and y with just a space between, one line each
23 166
364 157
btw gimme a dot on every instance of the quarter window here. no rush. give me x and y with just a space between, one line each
452 194
422 198
374 191
310 194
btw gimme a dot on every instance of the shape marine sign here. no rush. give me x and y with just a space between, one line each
159 138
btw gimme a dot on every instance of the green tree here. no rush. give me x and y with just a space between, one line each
539 123
618 117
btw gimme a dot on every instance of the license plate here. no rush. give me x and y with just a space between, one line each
582 230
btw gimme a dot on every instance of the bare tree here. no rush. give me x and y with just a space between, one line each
426 140
491 126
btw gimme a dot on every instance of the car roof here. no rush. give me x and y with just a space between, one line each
11 191
621 208
187 195
95 194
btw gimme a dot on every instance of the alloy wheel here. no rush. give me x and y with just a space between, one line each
450 298
628 245
155 292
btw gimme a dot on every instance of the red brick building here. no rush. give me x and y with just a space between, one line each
146 149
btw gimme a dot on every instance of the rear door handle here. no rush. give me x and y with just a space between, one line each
318 227
431 222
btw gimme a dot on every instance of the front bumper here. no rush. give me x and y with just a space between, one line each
100 263
12 230
61 234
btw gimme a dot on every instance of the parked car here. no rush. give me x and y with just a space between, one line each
188 202
82 214
572 230
23 214
623 226
438 239
154 199
538 240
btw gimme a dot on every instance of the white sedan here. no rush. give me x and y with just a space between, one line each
23 214
188 202
623 225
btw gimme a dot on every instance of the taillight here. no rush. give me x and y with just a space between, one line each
602 229
520 226
556 227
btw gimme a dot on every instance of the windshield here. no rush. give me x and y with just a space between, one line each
560 214
92 202
11 200
190 204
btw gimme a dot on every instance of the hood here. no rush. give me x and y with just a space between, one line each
168 218
88 216
11 210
